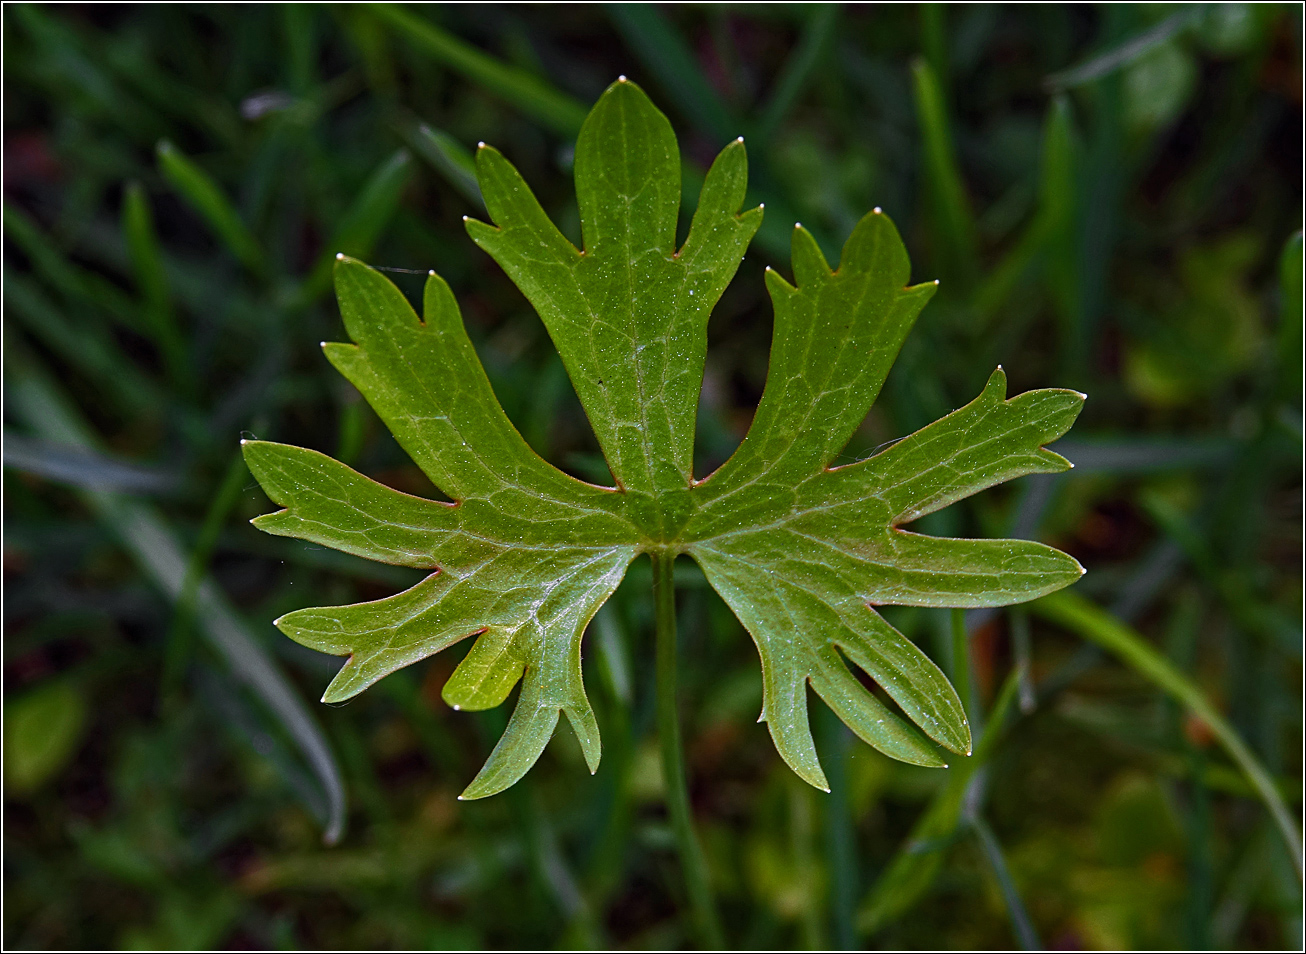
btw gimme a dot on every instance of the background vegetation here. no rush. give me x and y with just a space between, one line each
1109 195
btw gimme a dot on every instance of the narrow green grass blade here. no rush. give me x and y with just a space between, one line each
207 199
1045 232
1126 52
532 95
147 260
1251 614
913 869
1101 628
1021 925
1289 338
88 91
934 44
954 222
961 662
87 347
83 468
1147 455
155 548
362 222
448 157
72 282
1059 204
179 635
667 57
822 24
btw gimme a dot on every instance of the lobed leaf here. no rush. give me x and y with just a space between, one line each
524 555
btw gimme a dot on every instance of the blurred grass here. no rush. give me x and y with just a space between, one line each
1112 198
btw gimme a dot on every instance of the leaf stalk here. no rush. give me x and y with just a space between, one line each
692 860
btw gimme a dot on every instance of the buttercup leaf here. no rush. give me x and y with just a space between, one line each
525 555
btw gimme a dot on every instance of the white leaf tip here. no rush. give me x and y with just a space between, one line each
936 281
739 139
622 78
430 272
340 256
877 210
480 145
798 225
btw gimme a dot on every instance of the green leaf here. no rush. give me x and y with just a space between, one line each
524 555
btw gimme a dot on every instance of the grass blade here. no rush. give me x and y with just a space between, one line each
88 348
1046 233
1151 455
1289 341
362 223
666 56
822 24
913 869
160 556
73 283
82 468
448 157
1021 925
1124 53
178 649
954 222
207 199
934 43
961 660
1234 591
147 260
536 98
1101 628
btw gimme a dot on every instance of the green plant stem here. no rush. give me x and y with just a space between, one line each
673 761
1100 627
961 660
